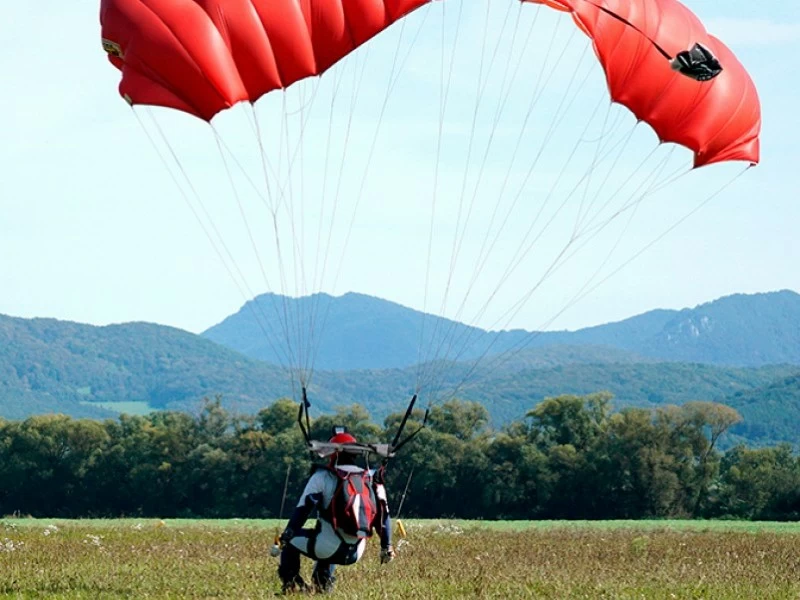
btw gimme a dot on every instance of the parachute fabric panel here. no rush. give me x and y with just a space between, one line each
203 56
171 55
720 120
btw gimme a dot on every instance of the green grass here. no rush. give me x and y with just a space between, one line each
644 525
509 526
143 558
29 523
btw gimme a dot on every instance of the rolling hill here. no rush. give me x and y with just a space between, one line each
56 366
355 331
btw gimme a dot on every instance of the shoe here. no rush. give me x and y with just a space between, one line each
296 585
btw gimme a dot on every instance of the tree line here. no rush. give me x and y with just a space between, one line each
571 457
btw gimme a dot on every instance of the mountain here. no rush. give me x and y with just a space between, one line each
771 412
56 366
49 365
508 393
355 331
741 350
757 329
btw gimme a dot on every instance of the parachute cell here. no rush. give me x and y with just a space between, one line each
720 120
203 56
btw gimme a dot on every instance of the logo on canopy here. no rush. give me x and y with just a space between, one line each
113 48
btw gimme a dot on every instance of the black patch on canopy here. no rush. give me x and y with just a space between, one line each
698 63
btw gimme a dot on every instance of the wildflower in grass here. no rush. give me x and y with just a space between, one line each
449 529
9 545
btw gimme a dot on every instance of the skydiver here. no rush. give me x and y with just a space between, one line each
325 544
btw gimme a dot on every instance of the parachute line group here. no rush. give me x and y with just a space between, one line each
511 158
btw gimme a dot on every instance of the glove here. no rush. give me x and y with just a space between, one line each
286 536
387 554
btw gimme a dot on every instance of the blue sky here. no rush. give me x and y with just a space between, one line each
94 229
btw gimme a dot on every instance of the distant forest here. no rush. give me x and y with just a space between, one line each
571 457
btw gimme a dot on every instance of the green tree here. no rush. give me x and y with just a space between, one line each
354 417
278 417
713 419
48 459
637 470
761 483
570 420
464 420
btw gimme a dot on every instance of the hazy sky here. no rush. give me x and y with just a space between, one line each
95 230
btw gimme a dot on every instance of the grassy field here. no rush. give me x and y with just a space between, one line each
146 558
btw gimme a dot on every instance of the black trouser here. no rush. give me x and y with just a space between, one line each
306 541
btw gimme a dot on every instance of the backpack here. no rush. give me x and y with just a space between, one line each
354 507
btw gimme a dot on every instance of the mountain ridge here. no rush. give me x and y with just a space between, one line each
736 330
49 365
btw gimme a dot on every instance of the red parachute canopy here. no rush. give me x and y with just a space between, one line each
203 56
719 120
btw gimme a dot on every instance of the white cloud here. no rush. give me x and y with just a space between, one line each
753 32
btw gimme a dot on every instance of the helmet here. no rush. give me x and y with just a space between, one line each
343 438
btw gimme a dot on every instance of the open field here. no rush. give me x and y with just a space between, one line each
145 558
